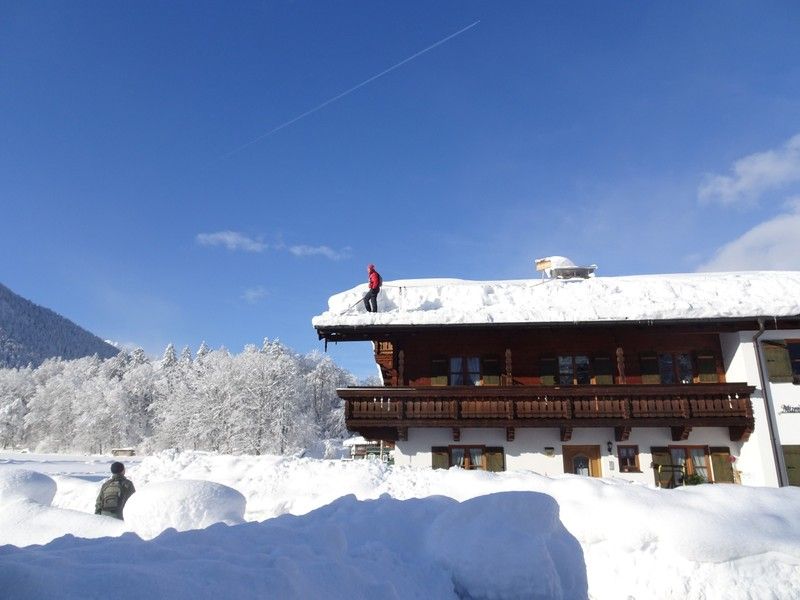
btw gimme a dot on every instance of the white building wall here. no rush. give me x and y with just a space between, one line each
758 460
785 395
527 451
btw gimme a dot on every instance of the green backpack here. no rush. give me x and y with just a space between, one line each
111 496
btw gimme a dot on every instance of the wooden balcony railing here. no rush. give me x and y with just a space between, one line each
622 406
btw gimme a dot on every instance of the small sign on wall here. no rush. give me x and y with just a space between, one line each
786 408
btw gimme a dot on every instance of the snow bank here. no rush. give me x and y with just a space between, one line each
362 529
645 297
182 505
23 484
546 561
349 549
24 523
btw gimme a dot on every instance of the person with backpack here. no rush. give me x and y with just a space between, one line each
375 282
114 493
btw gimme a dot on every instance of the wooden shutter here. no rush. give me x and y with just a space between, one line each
707 369
547 371
439 371
603 371
721 465
495 459
779 367
440 457
662 457
490 371
648 364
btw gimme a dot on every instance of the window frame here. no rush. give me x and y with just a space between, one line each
625 468
550 367
689 464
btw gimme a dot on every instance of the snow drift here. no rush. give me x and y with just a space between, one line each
361 529
182 505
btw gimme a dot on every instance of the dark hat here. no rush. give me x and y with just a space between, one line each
117 468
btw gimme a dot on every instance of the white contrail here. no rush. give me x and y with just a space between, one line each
350 91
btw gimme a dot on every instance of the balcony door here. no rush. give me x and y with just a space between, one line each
582 460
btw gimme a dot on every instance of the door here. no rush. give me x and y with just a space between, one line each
582 460
791 455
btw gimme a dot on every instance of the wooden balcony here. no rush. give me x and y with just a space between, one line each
387 412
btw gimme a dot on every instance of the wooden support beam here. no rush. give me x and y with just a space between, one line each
402 434
681 433
566 433
740 433
622 434
509 372
456 434
510 432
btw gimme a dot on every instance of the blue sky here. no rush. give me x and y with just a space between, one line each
643 137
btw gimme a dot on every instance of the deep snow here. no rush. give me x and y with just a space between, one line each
362 529
631 298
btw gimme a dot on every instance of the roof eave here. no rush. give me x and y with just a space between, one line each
336 333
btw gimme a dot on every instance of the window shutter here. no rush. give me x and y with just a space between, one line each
779 367
648 364
547 371
439 371
721 465
495 459
491 371
662 457
707 369
603 371
440 457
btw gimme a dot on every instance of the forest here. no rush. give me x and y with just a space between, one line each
266 400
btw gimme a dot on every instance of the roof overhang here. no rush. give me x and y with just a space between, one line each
351 333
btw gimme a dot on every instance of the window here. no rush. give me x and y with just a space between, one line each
794 357
674 464
628 459
468 457
577 370
670 368
465 370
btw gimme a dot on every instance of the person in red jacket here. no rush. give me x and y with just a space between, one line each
371 297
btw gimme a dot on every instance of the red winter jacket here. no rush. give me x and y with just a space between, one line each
374 280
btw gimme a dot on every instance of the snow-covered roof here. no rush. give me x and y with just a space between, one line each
688 296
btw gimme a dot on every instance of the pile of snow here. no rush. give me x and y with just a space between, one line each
23 484
546 561
182 505
364 529
644 297
26 516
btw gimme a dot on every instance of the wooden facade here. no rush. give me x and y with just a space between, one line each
521 376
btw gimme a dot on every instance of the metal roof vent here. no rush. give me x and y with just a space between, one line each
560 267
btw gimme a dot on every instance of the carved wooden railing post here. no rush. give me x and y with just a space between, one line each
401 367
620 365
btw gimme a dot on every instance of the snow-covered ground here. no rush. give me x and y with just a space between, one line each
290 527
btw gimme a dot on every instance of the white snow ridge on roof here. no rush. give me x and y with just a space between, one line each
632 298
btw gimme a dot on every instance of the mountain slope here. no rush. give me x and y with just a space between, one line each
31 334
